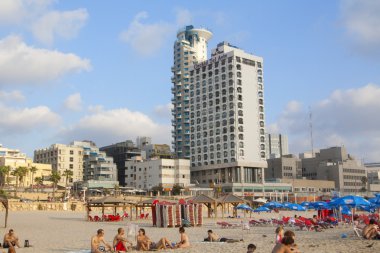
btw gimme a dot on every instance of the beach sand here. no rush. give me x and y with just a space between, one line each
69 232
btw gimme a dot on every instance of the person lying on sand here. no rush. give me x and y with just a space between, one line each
120 241
11 241
213 237
98 245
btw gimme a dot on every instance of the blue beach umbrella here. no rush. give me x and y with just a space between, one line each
262 209
243 207
273 204
286 204
320 205
346 210
296 207
350 200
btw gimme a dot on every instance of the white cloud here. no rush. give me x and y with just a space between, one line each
164 111
346 117
95 108
146 39
109 126
65 24
23 64
44 22
11 96
73 102
361 20
24 120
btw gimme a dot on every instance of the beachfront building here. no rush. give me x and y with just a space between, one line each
165 173
190 47
373 174
97 166
122 152
276 145
62 157
13 159
286 166
149 150
337 165
227 133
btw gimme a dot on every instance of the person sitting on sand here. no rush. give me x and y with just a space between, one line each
11 240
184 243
144 243
371 231
285 246
251 248
279 234
280 247
120 241
98 245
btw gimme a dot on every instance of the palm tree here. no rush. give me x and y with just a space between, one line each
4 171
67 174
32 170
39 181
23 171
55 177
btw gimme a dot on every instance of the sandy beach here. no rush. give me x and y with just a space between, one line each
51 232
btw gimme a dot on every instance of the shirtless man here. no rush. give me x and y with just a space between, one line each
285 246
184 243
120 241
371 230
98 245
10 241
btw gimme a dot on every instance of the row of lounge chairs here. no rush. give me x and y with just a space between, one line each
111 217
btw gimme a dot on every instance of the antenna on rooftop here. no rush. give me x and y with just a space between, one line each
311 131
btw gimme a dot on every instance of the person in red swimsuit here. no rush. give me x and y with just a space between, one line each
120 241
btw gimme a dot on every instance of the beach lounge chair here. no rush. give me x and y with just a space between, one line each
358 232
90 218
96 218
142 216
146 215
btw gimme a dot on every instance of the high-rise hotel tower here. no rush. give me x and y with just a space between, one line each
227 132
190 47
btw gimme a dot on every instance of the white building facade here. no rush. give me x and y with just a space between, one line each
227 116
190 47
276 145
166 173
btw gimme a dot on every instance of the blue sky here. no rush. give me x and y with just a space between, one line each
100 70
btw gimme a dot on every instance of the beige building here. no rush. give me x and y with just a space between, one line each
337 165
287 166
62 157
310 186
160 172
14 159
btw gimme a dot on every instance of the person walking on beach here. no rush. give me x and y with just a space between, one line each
98 245
11 241
184 243
120 241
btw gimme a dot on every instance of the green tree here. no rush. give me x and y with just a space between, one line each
19 173
364 183
157 189
32 170
4 173
55 177
176 190
68 174
39 181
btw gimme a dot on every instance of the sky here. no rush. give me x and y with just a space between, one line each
100 70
